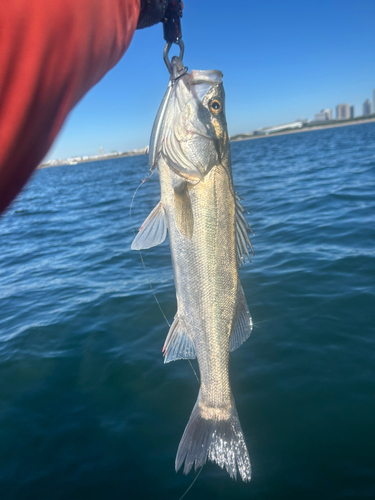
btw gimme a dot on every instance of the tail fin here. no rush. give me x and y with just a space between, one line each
221 441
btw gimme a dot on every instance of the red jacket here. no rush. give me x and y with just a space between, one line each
52 52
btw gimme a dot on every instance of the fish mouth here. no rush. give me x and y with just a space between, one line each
202 81
212 76
183 140
197 81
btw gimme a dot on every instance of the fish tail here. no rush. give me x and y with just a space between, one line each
217 435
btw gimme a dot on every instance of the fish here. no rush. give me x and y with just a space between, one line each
209 240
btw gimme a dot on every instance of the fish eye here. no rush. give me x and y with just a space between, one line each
215 106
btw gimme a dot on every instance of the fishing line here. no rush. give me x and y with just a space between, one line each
157 301
140 254
196 477
272 318
195 373
144 265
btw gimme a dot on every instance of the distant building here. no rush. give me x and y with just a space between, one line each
373 101
352 112
320 117
101 151
328 113
278 128
366 107
342 112
323 116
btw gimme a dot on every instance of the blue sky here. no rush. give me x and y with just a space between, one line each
281 60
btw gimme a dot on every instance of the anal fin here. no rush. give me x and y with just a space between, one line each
242 325
178 344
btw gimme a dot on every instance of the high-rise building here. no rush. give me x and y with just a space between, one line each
352 111
342 111
366 108
373 101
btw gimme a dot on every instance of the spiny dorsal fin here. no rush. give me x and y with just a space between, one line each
242 324
242 238
153 231
178 345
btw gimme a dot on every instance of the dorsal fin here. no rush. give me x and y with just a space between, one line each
243 242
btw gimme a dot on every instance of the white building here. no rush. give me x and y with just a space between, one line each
342 111
323 116
366 107
278 128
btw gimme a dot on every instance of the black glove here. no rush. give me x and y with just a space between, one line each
152 12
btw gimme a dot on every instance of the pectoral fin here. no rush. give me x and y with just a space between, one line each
153 231
242 325
178 344
183 211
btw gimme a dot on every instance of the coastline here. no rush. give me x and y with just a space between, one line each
92 159
235 138
244 137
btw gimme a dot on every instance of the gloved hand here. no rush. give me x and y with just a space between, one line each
152 12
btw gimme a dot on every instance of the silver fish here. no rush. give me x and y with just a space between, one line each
209 240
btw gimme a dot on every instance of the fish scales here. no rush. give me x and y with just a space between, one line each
207 287
203 216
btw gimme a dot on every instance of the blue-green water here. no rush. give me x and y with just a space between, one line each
88 410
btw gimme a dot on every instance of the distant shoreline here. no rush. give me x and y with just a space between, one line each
236 138
308 128
92 159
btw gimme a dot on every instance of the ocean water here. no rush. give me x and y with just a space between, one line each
88 410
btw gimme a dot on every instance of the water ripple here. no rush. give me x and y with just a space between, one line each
87 407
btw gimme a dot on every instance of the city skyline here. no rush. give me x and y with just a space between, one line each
343 112
274 71
346 111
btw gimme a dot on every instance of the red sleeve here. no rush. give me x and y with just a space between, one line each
52 53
